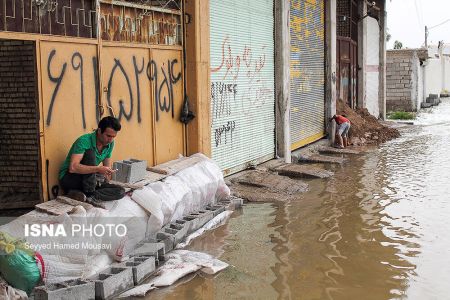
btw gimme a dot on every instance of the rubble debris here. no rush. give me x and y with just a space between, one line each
365 128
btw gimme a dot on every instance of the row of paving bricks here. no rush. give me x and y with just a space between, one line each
142 261
276 181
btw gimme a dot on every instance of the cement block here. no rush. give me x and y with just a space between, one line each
150 248
201 218
232 203
129 171
216 209
142 266
176 230
68 290
167 239
112 281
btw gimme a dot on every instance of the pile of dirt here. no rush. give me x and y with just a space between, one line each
365 128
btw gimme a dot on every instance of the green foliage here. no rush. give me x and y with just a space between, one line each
402 115
398 45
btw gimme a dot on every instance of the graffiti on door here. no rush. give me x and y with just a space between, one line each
238 79
80 71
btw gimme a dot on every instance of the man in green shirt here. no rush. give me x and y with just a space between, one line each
78 174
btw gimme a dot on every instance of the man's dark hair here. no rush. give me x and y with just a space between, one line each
109 122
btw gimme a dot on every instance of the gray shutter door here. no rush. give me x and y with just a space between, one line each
242 82
307 83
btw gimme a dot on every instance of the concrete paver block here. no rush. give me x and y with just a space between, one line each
331 150
317 158
303 171
112 281
272 182
130 170
142 266
68 290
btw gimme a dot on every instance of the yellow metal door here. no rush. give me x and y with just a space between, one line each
167 84
127 95
68 73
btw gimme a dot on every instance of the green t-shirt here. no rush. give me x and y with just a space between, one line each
83 143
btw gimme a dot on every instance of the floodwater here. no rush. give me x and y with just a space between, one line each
378 229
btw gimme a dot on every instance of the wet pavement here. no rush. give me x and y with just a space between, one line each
378 229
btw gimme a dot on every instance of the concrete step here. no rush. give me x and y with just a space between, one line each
425 105
317 158
332 150
271 182
302 171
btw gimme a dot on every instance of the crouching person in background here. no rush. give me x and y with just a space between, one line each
343 126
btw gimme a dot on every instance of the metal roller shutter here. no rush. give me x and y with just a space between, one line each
242 82
307 71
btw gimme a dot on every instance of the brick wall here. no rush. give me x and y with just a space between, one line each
401 80
19 133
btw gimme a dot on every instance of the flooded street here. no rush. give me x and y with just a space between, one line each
378 229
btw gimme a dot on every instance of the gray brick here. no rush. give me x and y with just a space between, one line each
112 282
68 290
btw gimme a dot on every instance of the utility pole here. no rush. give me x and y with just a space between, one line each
426 37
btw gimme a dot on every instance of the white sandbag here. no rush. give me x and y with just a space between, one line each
151 202
211 168
176 196
173 269
134 218
208 263
179 263
217 221
139 291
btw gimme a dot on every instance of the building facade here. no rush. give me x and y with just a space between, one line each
262 78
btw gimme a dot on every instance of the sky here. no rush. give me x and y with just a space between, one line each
406 21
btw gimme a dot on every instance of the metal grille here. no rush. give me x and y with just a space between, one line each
242 82
141 23
58 17
307 71
343 18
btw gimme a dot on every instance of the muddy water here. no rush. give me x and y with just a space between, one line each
379 229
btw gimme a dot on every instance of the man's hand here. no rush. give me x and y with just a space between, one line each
106 171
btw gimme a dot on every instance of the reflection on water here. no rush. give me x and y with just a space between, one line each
377 230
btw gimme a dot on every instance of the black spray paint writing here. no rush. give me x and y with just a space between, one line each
222 95
97 88
57 81
220 133
162 104
168 82
79 66
122 112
